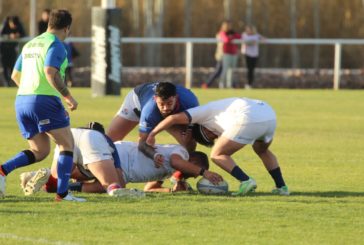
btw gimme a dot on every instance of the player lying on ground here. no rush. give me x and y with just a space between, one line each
135 166
94 156
234 122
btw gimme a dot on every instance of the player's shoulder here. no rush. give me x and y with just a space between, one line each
174 149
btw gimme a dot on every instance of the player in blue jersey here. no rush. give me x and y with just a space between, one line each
39 73
148 104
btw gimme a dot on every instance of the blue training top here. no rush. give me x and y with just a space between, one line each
150 114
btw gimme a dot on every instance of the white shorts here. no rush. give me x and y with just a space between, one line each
130 103
250 132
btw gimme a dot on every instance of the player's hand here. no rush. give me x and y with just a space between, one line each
212 177
150 140
158 160
72 104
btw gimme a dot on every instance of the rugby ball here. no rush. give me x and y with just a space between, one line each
204 186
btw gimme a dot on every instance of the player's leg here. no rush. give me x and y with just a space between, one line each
221 155
39 147
271 164
105 172
126 118
120 127
64 140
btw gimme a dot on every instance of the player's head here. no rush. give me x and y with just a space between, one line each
199 159
166 97
199 134
96 126
45 14
60 19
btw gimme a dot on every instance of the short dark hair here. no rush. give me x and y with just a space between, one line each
200 137
165 90
96 126
59 19
203 160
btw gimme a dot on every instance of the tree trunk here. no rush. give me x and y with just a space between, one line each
316 26
187 18
136 27
265 30
148 31
249 12
159 16
227 9
294 49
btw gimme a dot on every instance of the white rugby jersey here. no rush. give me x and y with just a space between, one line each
89 146
138 168
221 115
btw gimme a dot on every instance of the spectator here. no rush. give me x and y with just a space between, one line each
230 53
72 53
12 29
218 57
43 22
250 50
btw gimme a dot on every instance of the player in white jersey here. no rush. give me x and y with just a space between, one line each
94 156
94 160
138 168
234 122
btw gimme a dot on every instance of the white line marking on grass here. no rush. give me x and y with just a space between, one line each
30 239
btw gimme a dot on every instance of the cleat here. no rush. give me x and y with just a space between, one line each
283 191
123 192
37 181
69 198
2 185
245 187
25 177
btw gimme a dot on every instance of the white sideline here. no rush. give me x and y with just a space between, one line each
33 240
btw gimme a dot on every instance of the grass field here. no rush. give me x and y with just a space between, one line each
318 143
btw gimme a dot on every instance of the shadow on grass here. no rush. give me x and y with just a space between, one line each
329 194
17 199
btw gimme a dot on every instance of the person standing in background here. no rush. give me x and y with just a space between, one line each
72 53
43 22
11 30
230 53
218 57
250 49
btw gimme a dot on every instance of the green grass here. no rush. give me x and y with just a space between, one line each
319 144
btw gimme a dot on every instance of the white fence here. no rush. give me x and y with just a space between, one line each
189 42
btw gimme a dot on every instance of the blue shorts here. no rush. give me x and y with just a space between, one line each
39 113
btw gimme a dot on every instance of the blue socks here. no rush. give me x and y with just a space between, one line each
277 177
239 174
22 159
64 168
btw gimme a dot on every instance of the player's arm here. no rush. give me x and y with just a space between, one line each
16 74
156 186
179 118
149 150
178 163
53 61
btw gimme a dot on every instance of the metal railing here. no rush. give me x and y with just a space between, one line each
189 42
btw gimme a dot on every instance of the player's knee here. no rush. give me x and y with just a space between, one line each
260 148
40 154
